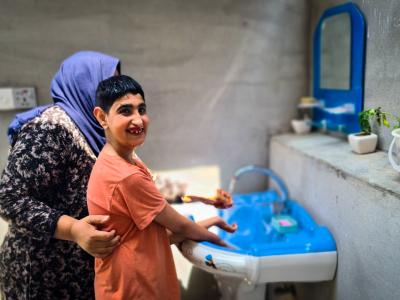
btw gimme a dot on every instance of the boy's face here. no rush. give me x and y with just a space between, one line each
126 122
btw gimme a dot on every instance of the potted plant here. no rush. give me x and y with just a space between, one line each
366 141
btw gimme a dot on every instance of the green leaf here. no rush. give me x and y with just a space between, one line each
377 115
385 121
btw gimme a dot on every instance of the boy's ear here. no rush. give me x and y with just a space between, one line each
100 116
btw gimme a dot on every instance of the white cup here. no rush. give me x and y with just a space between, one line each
301 126
394 150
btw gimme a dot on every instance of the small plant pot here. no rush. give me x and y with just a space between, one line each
361 143
301 126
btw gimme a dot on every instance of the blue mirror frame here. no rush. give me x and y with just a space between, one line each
331 98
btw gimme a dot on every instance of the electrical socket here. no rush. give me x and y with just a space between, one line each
12 98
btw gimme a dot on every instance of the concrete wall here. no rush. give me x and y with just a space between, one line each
382 66
357 198
220 76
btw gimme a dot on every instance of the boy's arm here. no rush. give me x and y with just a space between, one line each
207 223
222 199
183 228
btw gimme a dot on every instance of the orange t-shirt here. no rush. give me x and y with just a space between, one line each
142 266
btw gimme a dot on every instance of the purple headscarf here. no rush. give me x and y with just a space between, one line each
73 88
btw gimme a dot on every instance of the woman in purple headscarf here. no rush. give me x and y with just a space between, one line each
43 189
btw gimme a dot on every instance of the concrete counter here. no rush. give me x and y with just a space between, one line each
358 198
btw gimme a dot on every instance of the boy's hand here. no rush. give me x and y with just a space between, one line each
219 222
97 243
207 223
222 199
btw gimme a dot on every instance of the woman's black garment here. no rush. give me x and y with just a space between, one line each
46 176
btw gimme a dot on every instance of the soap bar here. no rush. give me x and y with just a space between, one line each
284 224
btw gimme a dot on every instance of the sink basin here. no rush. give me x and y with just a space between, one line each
258 252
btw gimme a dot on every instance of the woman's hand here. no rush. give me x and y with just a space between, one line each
95 242
85 233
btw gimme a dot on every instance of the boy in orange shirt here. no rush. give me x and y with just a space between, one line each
120 185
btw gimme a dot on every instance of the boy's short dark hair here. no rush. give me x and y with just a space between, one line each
114 88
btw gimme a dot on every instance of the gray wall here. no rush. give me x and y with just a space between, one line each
382 69
220 76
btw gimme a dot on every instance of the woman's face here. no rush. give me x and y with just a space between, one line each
127 122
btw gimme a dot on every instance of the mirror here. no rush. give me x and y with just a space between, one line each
335 56
338 68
